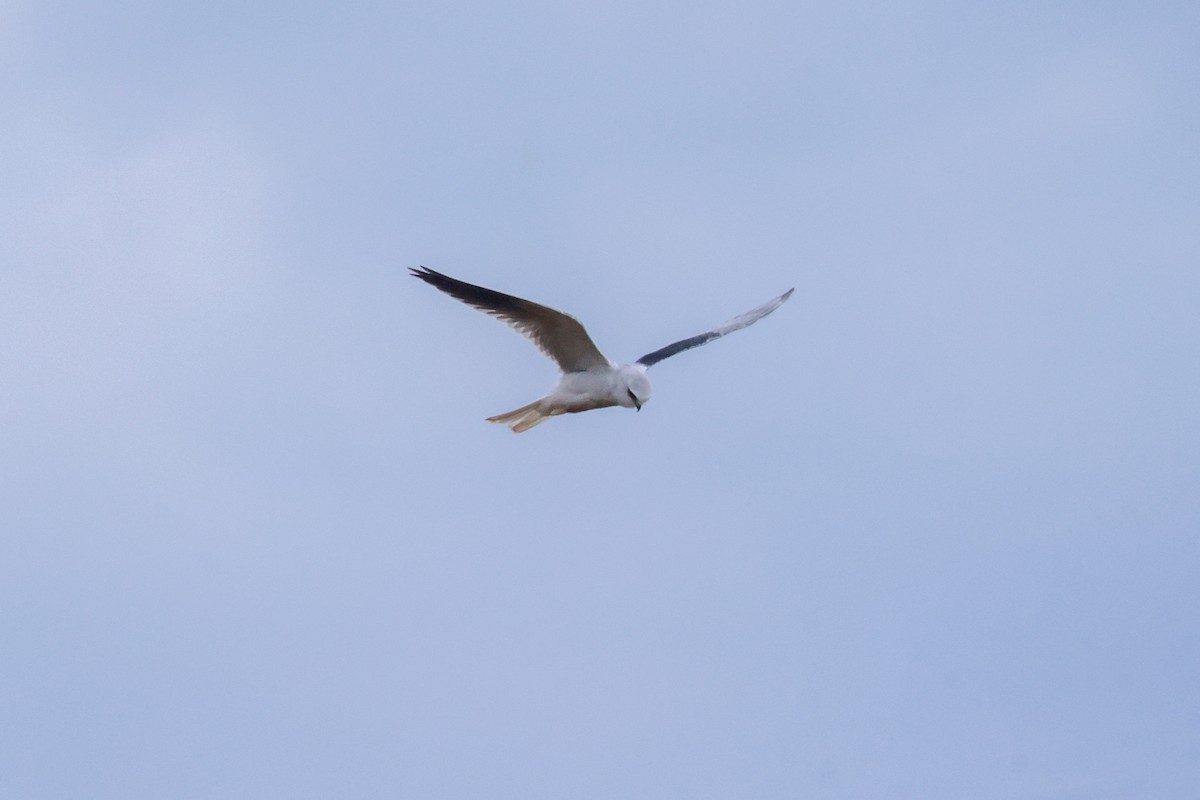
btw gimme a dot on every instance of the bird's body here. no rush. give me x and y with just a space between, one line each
589 380
599 387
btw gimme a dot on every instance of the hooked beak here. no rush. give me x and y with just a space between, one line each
639 406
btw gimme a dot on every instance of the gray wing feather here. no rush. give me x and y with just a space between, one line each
556 334
735 324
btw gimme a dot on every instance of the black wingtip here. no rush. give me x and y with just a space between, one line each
426 274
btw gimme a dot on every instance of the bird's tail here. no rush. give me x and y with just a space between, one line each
523 418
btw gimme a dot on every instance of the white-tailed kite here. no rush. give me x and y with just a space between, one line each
589 379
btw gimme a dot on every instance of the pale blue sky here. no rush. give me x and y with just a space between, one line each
929 531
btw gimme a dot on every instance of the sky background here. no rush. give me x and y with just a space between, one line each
929 531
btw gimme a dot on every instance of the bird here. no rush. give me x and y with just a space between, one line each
589 379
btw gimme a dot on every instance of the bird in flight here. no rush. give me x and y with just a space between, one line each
589 380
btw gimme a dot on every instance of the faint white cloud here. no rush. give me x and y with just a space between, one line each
108 254
179 219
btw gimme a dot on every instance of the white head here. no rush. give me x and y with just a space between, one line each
633 390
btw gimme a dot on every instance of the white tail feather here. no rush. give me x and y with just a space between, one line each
523 418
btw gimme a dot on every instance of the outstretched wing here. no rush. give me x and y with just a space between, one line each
556 334
735 324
